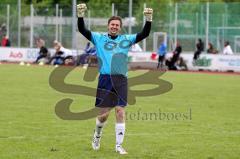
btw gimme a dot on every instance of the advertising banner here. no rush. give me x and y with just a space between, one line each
210 62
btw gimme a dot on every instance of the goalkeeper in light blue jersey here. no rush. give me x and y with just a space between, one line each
112 53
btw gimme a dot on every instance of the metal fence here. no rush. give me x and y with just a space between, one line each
212 22
182 22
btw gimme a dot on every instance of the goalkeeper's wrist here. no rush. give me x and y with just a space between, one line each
80 15
149 18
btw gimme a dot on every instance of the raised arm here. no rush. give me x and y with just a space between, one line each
81 8
148 12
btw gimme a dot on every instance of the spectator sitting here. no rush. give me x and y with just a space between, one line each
211 49
88 47
62 55
5 41
43 54
89 53
90 50
92 58
181 64
227 50
68 56
171 63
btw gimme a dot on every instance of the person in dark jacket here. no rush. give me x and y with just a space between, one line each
171 63
200 49
43 51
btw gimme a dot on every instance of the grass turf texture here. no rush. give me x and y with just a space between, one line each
30 129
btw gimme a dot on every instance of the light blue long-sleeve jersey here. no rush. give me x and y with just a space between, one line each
113 53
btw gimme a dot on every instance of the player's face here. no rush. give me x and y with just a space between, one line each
114 27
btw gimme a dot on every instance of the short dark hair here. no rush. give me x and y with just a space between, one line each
115 18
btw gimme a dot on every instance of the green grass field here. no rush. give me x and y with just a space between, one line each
30 129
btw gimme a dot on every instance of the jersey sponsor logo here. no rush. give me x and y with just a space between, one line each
125 44
111 45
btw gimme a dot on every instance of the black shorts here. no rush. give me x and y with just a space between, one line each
112 91
161 58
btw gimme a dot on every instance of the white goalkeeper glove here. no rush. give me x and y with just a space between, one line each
148 13
81 8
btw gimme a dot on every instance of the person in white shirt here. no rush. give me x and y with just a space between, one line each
62 55
227 50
